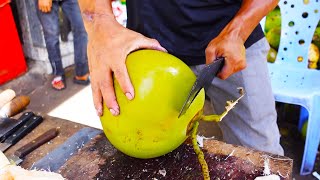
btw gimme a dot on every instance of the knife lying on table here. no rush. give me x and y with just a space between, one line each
8 125
19 154
21 132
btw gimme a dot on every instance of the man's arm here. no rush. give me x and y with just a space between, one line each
230 42
108 46
91 10
249 16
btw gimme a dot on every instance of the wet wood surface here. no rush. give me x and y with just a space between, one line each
99 160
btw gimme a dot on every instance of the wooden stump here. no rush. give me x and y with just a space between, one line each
100 160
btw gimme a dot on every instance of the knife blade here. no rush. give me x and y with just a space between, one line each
8 125
204 79
21 132
56 158
19 154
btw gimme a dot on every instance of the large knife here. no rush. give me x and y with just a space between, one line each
8 125
21 132
19 154
55 159
204 79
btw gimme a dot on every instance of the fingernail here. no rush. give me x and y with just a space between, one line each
114 112
99 112
160 48
129 96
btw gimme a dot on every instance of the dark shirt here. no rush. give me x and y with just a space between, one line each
184 27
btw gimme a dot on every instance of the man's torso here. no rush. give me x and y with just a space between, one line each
184 27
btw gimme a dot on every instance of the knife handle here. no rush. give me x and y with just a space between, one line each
25 129
25 116
34 144
22 119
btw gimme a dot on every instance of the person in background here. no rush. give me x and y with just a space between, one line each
48 13
196 32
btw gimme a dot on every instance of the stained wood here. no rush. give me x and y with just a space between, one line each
99 160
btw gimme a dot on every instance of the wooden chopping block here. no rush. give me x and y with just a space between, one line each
100 160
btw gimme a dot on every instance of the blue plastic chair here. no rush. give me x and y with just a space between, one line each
292 81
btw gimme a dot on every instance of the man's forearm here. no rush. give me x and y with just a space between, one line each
93 11
249 16
95 7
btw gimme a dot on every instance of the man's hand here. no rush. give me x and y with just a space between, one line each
230 42
108 46
231 47
45 5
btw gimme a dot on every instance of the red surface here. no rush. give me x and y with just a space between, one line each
12 61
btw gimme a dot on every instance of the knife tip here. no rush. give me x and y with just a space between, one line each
180 113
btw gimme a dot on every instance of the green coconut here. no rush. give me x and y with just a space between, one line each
313 56
316 37
273 19
148 126
272 55
273 37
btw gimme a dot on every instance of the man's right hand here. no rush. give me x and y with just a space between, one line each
45 5
108 46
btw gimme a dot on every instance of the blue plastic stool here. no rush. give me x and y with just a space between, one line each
292 82
304 115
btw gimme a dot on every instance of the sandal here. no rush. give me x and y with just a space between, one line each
58 81
83 80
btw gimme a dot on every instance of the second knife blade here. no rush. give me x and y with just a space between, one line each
19 154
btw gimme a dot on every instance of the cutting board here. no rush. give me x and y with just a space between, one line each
66 130
98 159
